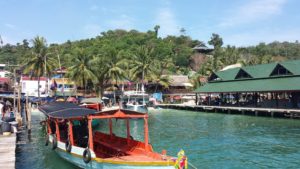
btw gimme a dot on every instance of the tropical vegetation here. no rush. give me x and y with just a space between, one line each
118 55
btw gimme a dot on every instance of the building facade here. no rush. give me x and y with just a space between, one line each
273 85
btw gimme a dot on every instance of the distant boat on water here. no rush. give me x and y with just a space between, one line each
135 100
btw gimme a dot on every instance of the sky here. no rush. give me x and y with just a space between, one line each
238 22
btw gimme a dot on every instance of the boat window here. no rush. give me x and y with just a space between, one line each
119 127
63 131
52 126
80 133
137 129
103 125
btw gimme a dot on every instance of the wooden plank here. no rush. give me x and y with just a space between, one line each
7 151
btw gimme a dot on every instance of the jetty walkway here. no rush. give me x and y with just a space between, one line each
257 111
7 151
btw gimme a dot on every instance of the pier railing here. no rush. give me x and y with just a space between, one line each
257 111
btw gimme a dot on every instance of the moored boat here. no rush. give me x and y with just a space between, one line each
92 103
135 100
89 148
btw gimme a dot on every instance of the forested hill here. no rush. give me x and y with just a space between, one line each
175 50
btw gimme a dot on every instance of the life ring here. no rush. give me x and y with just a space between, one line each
87 155
54 142
47 140
68 146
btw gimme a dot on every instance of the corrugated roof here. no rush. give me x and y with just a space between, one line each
65 110
292 65
290 83
261 79
228 74
260 71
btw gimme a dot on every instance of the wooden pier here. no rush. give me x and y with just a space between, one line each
257 111
7 151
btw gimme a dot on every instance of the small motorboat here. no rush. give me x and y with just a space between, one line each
92 103
89 148
135 100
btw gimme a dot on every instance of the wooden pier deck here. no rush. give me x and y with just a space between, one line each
257 111
7 151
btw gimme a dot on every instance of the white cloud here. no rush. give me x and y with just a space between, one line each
122 22
10 26
167 22
255 10
92 30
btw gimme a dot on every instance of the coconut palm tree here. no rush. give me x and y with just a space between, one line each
109 65
143 63
82 71
39 62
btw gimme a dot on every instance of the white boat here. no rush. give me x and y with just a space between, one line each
135 100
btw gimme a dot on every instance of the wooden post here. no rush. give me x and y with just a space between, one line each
91 143
256 113
146 133
29 117
28 113
26 108
19 99
272 114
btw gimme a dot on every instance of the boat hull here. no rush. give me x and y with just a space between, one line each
93 164
75 157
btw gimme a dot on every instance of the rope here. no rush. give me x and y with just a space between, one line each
191 165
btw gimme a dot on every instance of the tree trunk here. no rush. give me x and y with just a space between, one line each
84 83
39 87
156 86
46 87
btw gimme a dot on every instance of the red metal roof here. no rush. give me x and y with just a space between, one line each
33 78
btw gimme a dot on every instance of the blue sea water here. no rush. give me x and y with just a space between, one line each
210 140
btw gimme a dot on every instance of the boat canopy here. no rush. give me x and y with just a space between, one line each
118 114
64 110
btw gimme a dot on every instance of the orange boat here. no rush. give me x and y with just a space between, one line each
70 132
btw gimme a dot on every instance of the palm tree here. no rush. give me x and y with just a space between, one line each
161 66
82 71
39 62
109 66
143 63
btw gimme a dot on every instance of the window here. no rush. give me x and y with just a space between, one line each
280 70
214 77
242 75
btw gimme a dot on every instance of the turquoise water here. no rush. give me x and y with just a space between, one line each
210 140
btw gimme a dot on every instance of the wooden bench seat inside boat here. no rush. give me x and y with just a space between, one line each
107 146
